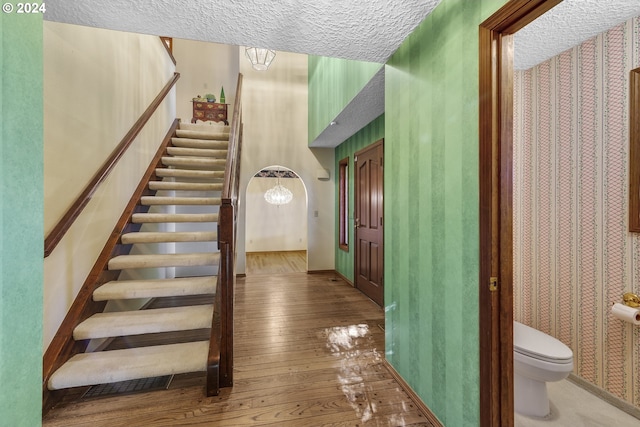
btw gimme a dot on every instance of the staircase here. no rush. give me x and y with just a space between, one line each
182 215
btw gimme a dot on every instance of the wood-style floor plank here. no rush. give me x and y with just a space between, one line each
309 351
276 262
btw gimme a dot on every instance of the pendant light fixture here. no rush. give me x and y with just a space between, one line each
260 58
279 194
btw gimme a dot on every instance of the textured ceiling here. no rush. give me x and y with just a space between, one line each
568 24
361 30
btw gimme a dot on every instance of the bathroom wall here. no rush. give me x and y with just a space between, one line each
573 255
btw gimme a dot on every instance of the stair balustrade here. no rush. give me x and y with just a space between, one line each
221 342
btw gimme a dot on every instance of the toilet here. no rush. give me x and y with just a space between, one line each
538 358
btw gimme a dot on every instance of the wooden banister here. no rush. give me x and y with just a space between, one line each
67 220
220 360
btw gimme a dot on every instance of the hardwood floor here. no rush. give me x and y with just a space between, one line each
309 351
276 262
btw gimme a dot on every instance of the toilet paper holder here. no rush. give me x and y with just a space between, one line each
631 299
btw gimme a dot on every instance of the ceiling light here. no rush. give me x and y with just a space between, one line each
278 195
260 58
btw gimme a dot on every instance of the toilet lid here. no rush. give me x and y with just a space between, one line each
537 344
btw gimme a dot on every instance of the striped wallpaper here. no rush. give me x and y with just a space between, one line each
573 255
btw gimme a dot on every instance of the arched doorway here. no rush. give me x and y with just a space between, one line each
276 232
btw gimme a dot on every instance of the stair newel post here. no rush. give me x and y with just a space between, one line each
227 282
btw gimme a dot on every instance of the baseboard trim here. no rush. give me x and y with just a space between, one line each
623 405
349 282
321 271
413 396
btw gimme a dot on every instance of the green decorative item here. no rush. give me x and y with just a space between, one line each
210 97
222 99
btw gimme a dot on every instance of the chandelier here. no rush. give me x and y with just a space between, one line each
260 58
278 195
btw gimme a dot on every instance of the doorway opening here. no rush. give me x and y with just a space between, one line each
496 210
276 230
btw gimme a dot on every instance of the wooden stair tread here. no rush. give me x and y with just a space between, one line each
156 288
194 162
197 152
124 323
185 186
120 365
122 262
190 173
141 218
198 134
168 236
165 200
210 144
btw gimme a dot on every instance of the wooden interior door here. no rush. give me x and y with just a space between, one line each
369 255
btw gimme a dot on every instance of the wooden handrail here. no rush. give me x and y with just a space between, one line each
220 359
67 220
234 142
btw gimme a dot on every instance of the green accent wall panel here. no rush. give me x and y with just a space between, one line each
21 220
364 137
431 210
333 83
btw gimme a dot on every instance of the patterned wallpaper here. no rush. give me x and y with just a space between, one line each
573 255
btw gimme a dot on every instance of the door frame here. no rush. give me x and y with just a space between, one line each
356 194
495 206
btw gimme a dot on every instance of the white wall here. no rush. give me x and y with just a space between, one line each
204 68
275 133
97 83
271 227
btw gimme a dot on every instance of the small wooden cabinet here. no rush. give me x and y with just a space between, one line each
209 111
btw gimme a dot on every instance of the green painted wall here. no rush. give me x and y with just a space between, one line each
21 223
431 210
333 83
364 137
